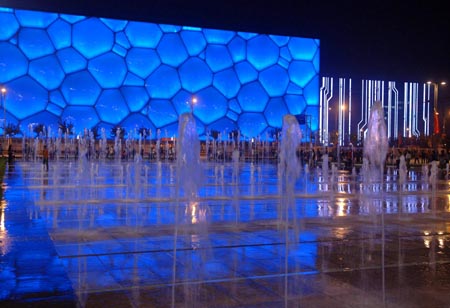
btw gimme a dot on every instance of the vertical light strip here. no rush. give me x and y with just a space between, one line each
360 123
373 95
424 112
321 112
410 110
416 109
344 108
369 100
366 105
378 91
340 108
349 108
369 88
413 109
428 108
395 110
326 94
330 87
405 108
389 117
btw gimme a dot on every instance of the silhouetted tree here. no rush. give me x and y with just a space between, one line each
66 127
38 129
114 132
144 132
96 132
12 129
214 134
234 135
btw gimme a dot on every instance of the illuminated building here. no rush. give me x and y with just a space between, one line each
97 72
345 108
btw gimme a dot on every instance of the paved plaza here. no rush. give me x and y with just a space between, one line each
119 234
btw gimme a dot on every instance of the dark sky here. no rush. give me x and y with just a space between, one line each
404 41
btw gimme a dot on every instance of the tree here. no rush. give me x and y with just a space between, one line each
144 132
214 134
39 129
66 127
96 132
234 134
12 130
115 129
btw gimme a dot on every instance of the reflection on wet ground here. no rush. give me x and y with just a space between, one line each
111 234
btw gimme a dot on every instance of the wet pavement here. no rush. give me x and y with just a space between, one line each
31 272
105 235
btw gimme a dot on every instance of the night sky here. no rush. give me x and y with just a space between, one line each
405 41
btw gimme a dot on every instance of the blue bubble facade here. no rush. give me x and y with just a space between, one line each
97 72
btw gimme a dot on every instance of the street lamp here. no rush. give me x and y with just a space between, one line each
193 102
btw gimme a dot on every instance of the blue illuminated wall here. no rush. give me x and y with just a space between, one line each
103 72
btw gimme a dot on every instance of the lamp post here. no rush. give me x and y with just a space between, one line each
192 103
